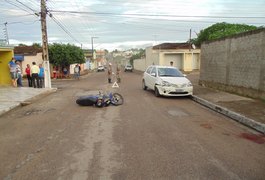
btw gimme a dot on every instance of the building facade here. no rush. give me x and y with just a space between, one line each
6 54
182 55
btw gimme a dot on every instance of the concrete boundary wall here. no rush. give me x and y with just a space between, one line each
235 64
139 64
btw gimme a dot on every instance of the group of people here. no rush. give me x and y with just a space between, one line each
57 73
15 72
35 74
110 73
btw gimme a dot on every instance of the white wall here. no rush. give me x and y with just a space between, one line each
152 57
30 59
139 64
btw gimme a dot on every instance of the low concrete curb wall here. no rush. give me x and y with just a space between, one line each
235 116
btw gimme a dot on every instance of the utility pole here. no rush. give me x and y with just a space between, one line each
190 40
6 33
92 42
45 54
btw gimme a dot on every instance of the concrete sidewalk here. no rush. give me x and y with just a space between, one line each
11 97
250 112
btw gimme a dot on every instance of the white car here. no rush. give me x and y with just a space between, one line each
101 68
128 67
166 81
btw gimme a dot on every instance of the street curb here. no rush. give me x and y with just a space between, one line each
3 111
235 116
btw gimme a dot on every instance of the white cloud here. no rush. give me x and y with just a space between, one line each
166 20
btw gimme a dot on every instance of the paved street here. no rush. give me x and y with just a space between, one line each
146 138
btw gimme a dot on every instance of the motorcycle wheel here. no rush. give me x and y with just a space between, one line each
117 99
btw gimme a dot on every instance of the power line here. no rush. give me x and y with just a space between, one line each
64 29
26 6
19 7
159 15
25 23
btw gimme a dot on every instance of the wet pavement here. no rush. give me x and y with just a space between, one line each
250 112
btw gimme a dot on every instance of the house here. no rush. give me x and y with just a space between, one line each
88 56
6 53
183 56
27 55
98 59
101 57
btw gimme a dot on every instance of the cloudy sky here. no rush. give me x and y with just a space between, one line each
122 24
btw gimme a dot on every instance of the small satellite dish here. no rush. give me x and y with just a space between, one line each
193 46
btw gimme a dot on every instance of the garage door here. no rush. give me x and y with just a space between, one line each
176 59
196 62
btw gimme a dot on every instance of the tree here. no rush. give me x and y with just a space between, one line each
22 44
36 45
65 54
139 55
220 30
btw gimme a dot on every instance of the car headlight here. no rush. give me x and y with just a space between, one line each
188 84
165 83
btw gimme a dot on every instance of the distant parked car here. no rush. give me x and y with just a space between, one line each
128 67
101 68
166 81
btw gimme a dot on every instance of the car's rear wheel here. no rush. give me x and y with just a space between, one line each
157 94
143 85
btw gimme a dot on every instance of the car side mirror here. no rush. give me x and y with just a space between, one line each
153 74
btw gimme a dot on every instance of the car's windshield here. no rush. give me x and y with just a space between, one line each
169 72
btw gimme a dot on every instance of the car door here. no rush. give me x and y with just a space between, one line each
153 78
147 75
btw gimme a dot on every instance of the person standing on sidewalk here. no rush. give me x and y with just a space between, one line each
19 74
27 70
54 72
13 71
41 76
35 75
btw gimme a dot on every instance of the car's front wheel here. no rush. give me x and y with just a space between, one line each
143 85
157 94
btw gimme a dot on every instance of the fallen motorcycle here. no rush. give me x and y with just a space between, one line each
101 100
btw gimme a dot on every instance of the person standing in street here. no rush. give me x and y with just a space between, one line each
109 72
19 74
79 70
76 72
171 63
118 71
35 75
13 71
27 70
41 76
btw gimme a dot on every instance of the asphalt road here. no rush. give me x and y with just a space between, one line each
145 138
